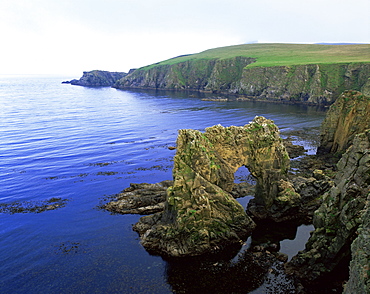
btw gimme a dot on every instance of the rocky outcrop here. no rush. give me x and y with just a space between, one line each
97 78
200 215
312 83
337 221
348 116
140 199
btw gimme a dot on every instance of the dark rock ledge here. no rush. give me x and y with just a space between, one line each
140 199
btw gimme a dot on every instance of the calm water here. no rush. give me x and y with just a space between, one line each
83 144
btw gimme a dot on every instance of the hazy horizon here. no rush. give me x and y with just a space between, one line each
69 37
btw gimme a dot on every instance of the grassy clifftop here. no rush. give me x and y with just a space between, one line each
315 74
267 55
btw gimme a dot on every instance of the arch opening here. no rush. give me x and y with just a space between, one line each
244 185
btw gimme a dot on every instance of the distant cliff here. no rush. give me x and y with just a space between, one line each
97 78
313 83
304 73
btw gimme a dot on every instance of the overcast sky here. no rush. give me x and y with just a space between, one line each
71 36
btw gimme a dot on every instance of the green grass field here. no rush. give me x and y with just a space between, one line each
268 55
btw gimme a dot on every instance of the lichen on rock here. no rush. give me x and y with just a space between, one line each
200 215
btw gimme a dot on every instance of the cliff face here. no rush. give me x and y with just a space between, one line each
199 74
200 215
313 83
348 116
337 221
359 275
98 78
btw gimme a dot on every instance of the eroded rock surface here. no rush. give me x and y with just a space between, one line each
359 275
338 219
200 215
348 116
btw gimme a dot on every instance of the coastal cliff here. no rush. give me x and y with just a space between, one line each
342 220
337 222
97 78
348 116
313 83
309 74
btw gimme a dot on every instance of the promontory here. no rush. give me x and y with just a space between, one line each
308 73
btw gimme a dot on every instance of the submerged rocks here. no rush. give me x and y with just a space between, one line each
37 206
200 215
338 219
348 116
97 78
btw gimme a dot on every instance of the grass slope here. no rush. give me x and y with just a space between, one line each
268 55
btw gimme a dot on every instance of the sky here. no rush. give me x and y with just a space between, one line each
68 37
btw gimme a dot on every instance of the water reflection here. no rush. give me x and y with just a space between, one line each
218 274
252 267
269 232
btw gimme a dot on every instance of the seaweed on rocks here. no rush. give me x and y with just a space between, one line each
33 206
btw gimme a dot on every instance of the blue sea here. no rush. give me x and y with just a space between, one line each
84 145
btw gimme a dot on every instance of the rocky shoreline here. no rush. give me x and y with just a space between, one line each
334 197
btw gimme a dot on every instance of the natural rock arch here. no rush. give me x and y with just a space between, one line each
219 152
200 215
